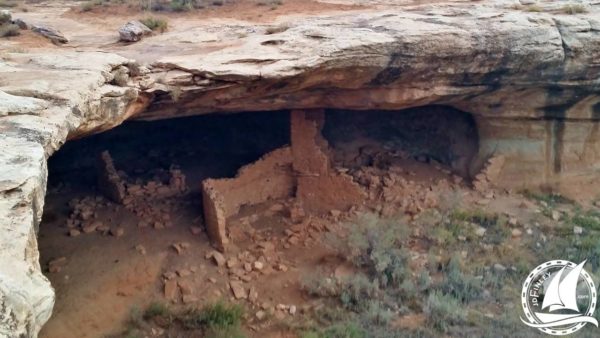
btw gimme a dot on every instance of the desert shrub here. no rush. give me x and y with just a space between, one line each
574 9
374 244
533 8
588 220
181 5
551 199
7 30
339 330
9 3
443 311
357 292
317 284
155 24
459 285
156 309
217 317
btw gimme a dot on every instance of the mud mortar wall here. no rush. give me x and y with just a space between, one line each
320 188
268 178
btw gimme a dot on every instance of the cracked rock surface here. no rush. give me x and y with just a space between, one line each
515 70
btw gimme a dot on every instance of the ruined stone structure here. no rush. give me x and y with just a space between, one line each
302 170
530 79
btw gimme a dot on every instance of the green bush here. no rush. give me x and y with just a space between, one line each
461 286
155 24
7 30
443 311
156 309
216 316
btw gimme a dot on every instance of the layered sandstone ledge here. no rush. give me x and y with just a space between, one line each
531 80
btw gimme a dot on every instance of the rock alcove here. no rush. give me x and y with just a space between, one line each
528 78
106 240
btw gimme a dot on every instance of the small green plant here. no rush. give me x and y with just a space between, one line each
7 30
589 220
357 292
339 330
216 316
155 24
461 286
156 309
550 199
181 5
443 311
574 9
317 284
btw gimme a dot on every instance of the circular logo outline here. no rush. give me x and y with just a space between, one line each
536 272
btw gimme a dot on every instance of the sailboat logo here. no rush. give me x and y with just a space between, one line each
559 298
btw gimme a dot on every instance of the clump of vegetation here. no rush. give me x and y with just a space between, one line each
461 286
10 29
155 24
156 309
9 3
551 199
272 4
443 310
587 220
534 8
215 316
214 320
574 9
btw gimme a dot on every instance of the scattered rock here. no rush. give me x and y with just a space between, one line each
180 247
57 264
253 294
555 215
140 248
117 232
232 263
238 290
292 309
577 230
170 290
480 231
260 315
258 265
133 31
183 272
217 257
74 232
185 287
499 267
196 230
50 33
91 227
22 24
516 233
188 299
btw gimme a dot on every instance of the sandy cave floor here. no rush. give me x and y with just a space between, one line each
103 277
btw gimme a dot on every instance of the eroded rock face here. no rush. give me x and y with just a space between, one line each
529 78
48 98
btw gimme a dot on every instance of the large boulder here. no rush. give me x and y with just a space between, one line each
133 31
50 33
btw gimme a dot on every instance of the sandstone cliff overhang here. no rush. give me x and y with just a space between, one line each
531 79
